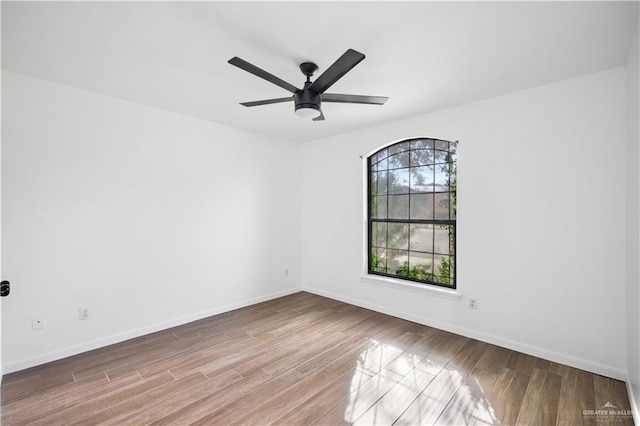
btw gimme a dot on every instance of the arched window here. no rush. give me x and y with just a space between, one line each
412 211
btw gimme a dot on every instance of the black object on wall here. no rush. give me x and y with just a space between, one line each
5 288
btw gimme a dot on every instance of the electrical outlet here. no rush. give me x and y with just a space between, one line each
286 273
473 304
83 313
37 322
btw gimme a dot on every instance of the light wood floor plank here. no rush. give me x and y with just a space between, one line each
259 396
140 400
175 403
296 394
541 399
314 408
205 403
103 402
363 397
577 394
58 399
611 396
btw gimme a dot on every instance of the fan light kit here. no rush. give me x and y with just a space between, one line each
310 111
308 100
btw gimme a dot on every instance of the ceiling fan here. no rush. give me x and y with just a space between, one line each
309 99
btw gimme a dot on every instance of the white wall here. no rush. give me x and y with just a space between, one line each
541 223
633 224
148 217
1 274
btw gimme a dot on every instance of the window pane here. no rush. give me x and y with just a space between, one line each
399 160
398 207
399 181
421 238
379 207
379 260
440 156
421 157
421 266
422 179
382 160
452 241
379 234
398 236
422 144
422 206
442 205
398 262
452 269
442 269
442 145
380 179
373 181
399 147
442 177
453 153
441 240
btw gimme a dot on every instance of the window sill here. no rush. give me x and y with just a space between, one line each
406 285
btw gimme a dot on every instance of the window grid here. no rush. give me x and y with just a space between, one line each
418 177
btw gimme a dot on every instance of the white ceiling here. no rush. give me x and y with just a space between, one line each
424 55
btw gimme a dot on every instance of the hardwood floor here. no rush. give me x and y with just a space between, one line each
305 359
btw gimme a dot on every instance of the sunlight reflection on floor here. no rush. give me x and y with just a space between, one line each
470 404
390 384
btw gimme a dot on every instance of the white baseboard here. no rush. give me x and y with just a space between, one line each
106 341
603 370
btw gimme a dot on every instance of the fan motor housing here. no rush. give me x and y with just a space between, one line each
307 99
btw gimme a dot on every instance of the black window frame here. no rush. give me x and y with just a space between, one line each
451 186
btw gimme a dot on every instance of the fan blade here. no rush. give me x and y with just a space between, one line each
266 102
320 117
343 65
354 99
242 64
